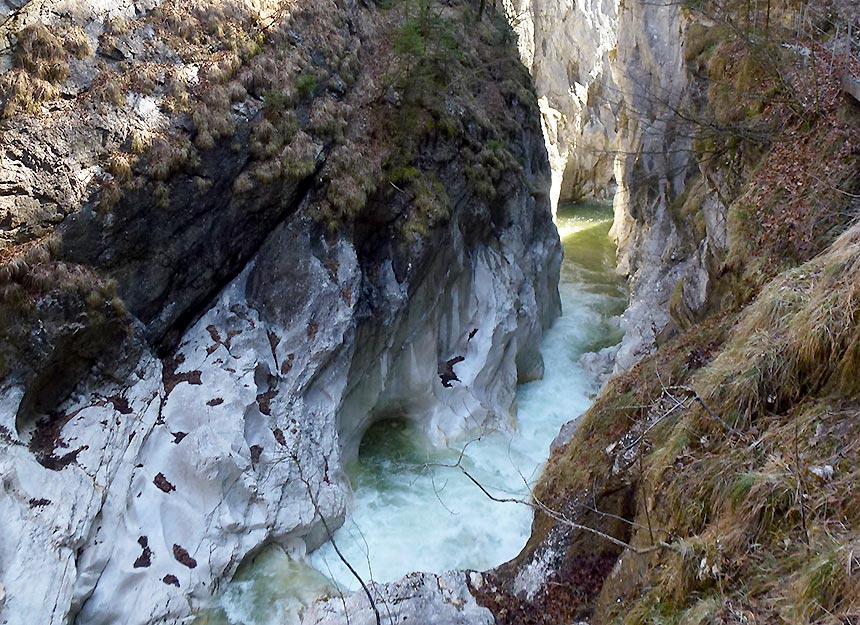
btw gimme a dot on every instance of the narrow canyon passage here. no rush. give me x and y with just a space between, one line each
414 510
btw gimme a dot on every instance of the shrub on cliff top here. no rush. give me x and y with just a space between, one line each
352 177
431 205
299 157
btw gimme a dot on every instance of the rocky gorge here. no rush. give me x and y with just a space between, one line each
236 235
199 329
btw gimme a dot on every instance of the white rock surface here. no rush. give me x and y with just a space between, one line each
234 455
567 45
49 515
423 598
158 486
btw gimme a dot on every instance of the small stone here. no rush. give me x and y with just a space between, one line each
824 472
393 97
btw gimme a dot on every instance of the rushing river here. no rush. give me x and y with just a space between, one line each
416 511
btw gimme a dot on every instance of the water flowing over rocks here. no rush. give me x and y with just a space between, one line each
256 349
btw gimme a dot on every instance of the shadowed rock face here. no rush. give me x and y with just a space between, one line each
170 266
209 363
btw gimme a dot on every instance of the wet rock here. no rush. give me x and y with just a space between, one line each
600 363
590 61
418 598
561 571
564 436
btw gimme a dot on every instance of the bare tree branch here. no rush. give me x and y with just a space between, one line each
331 539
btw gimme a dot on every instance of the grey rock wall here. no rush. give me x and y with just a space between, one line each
567 46
612 80
656 169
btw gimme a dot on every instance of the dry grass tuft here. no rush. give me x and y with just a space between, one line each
110 87
119 166
109 196
23 93
146 78
221 69
299 158
763 518
40 63
802 335
139 141
41 52
77 42
169 156
330 119
431 206
213 117
352 177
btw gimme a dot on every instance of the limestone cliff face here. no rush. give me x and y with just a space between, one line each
250 252
567 47
655 170
612 81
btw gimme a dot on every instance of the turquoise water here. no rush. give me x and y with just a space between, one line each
414 508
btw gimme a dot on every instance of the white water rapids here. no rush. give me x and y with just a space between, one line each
414 509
